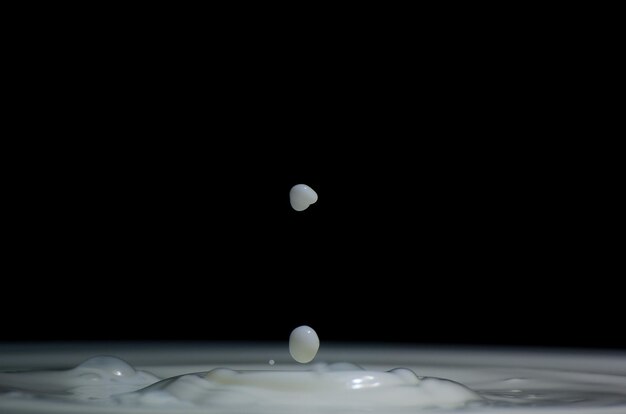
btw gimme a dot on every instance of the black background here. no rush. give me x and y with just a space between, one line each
453 205
420 244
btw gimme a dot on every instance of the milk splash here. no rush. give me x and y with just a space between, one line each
106 382
185 378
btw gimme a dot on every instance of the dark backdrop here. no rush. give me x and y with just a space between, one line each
146 196
451 243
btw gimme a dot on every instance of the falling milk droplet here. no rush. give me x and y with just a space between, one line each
301 196
303 344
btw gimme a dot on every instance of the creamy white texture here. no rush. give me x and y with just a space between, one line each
301 196
108 381
500 382
303 344
326 386
97 378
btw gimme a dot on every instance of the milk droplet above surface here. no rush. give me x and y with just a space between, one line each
301 197
303 344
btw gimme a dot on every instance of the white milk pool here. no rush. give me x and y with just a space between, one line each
237 378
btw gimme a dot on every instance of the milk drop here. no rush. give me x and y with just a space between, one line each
301 197
303 344
106 384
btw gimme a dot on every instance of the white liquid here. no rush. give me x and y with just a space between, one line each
327 387
495 382
303 344
301 196
110 382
